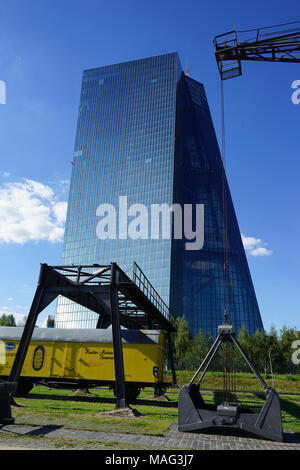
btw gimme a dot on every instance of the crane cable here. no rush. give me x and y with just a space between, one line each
229 380
225 214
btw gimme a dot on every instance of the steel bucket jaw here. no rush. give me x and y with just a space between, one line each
191 412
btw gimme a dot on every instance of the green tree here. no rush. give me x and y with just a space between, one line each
189 351
244 341
182 337
274 349
7 320
182 341
286 338
260 353
200 346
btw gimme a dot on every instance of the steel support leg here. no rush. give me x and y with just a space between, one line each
6 391
117 341
41 300
26 336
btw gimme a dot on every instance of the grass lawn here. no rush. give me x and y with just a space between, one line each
61 407
282 383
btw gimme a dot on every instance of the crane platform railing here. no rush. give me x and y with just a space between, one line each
278 43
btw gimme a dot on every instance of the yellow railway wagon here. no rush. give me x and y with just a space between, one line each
78 358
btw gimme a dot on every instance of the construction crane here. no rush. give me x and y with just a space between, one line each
278 43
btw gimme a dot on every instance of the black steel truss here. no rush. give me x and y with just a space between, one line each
139 304
266 44
106 290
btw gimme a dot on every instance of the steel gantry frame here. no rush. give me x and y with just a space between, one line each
107 291
268 44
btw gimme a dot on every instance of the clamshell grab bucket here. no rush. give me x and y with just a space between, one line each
194 415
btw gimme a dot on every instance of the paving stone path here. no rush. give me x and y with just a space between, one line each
57 437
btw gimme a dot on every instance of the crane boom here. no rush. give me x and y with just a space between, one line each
268 44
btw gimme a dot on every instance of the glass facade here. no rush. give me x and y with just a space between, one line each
197 277
144 132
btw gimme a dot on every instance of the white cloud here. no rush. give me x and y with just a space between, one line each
261 251
255 246
30 212
64 183
60 211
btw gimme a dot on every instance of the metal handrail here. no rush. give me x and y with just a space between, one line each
143 283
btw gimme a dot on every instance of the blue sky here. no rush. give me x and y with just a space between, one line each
44 47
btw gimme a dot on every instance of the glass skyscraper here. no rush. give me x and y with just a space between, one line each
145 137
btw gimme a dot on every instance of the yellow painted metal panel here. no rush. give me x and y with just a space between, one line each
57 360
85 361
7 355
97 362
37 361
